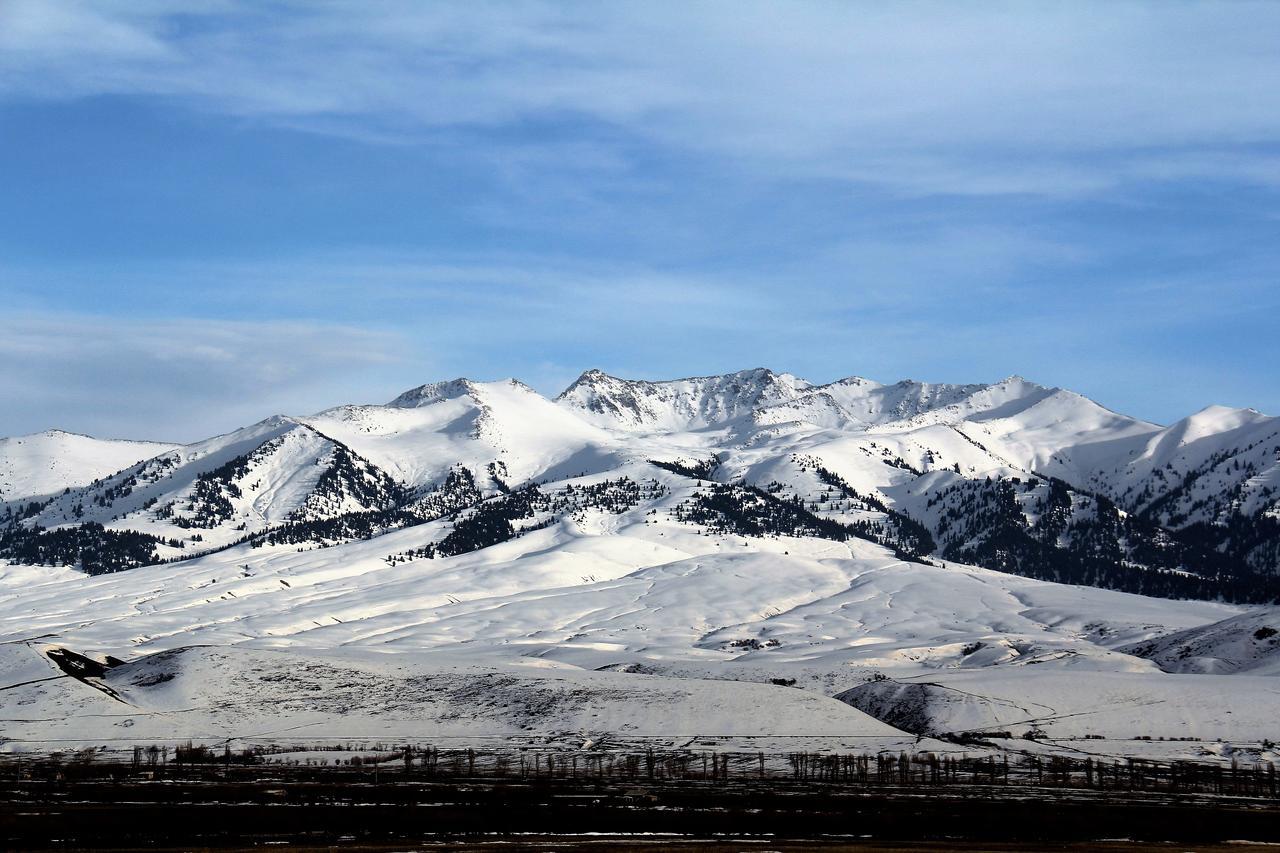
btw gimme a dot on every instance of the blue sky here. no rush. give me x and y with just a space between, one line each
213 211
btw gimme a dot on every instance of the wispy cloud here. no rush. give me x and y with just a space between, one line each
179 378
926 97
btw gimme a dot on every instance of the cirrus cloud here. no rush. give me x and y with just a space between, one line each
1059 98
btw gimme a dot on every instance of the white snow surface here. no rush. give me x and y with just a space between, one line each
645 625
256 696
46 463
1103 714
424 432
632 623
609 588
1249 642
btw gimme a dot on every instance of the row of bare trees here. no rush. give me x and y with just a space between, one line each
389 762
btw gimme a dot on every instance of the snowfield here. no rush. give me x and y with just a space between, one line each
1097 713
632 619
254 696
748 561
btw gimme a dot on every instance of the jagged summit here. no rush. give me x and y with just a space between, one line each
595 374
433 392
756 394
752 378
692 403
452 389
769 397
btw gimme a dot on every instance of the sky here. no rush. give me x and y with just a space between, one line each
212 211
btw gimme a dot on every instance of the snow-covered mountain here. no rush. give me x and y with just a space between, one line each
37 466
898 549
208 494
1214 477
1010 475
423 433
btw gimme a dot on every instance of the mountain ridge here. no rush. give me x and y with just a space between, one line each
1034 479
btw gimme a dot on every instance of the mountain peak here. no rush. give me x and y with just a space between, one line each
1219 410
595 376
1017 381
433 392
691 403
58 433
853 382
272 422
451 389
1217 418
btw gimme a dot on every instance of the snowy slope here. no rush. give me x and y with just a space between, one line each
248 696
1249 642
1059 433
421 434
221 489
1218 460
634 594
600 589
46 463
1190 713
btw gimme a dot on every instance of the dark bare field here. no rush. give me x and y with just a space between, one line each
550 843
766 845
250 807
